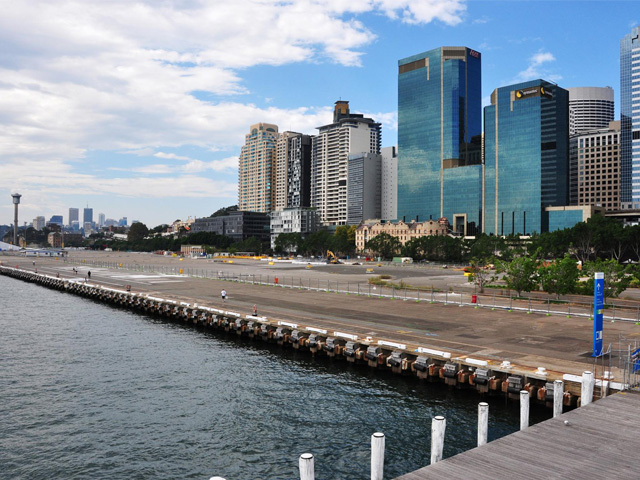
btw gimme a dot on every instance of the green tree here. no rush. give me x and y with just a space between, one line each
137 232
318 243
633 242
288 242
616 276
521 273
551 244
251 244
487 246
159 228
384 245
416 248
221 212
344 241
480 273
560 277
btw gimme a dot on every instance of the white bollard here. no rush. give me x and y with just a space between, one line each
558 395
524 410
483 423
377 456
306 467
586 394
438 426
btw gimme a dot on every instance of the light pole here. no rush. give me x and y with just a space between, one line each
16 202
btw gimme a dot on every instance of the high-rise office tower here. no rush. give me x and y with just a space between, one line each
73 215
88 215
364 187
526 156
56 220
256 169
349 133
439 137
594 167
590 108
101 217
630 120
389 194
293 175
38 223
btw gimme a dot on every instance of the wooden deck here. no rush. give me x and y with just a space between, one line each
601 441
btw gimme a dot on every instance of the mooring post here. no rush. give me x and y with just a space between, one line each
377 456
438 426
558 394
524 410
306 467
483 423
586 394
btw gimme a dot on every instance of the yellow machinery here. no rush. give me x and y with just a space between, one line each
331 258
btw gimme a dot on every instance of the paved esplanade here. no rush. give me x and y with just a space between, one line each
533 340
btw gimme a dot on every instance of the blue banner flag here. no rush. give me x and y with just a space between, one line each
598 314
635 360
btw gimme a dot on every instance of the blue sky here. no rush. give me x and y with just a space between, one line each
139 109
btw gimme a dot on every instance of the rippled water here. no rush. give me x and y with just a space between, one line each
88 391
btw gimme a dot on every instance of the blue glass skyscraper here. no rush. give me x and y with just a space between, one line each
439 137
526 157
630 120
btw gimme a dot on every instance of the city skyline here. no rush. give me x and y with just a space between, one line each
144 111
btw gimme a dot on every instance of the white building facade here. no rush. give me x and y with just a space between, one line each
349 133
293 220
590 108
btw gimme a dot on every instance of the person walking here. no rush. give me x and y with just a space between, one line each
89 274
223 293
255 311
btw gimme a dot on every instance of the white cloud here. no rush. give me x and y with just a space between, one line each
480 21
538 68
227 165
172 156
426 11
78 76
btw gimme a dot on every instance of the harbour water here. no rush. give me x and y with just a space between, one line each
89 391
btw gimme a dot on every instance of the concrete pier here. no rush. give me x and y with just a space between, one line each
473 348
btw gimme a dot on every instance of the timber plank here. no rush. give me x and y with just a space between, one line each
600 442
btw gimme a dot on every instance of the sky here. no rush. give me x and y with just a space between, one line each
140 108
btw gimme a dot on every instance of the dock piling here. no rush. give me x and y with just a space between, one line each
438 427
558 395
377 456
587 388
306 467
524 410
483 423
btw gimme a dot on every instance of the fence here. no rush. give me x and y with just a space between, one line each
503 300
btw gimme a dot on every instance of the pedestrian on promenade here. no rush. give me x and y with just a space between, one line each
255 311
223 293
89 274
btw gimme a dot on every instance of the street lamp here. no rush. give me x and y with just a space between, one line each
16 202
